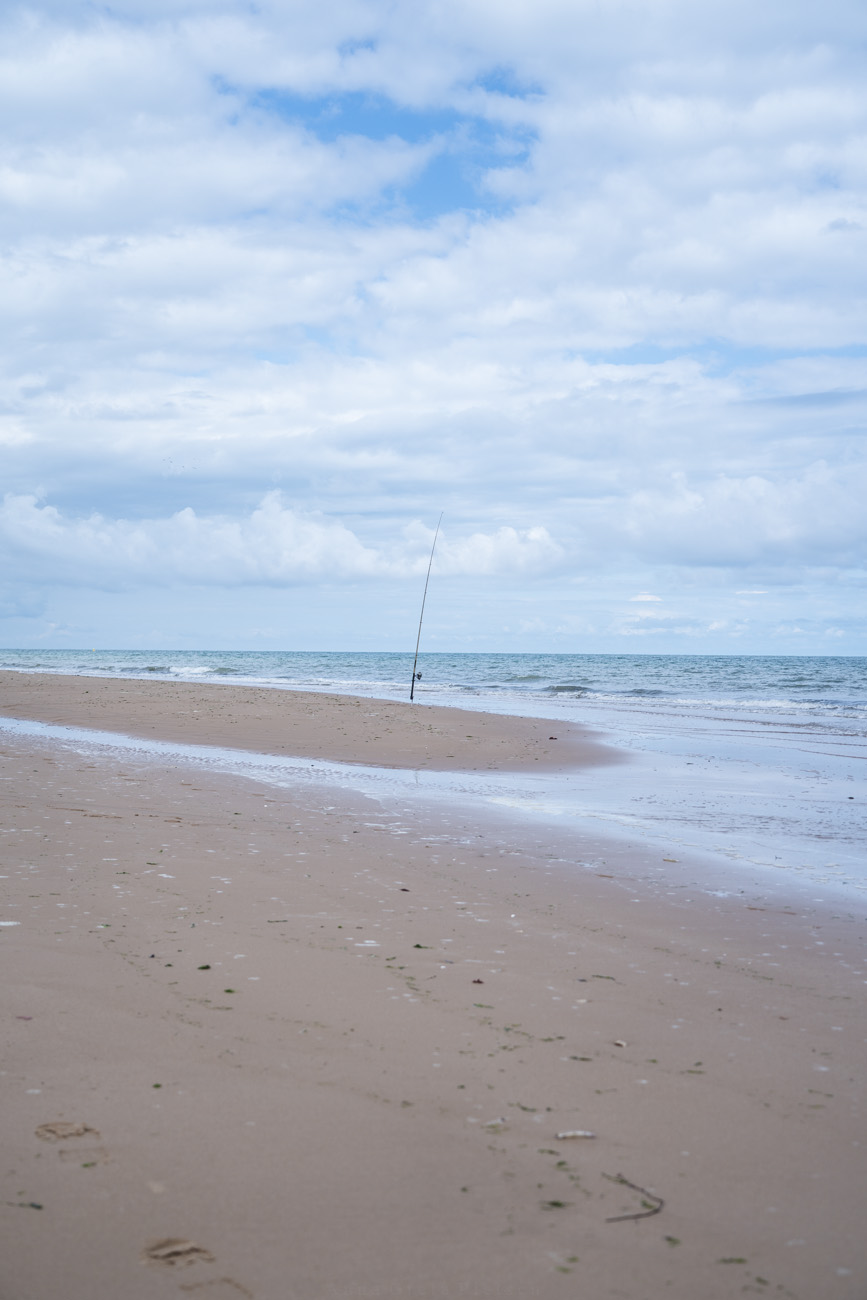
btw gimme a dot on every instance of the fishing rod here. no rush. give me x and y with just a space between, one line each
417 676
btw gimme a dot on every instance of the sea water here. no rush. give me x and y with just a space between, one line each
754 760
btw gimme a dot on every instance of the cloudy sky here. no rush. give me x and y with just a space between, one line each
282 281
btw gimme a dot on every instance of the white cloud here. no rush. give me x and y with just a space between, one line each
735 521
271 545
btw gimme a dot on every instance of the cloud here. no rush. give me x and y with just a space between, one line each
674 626
749 519
22 605
273 545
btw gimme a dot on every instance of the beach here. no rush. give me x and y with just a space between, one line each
294 1042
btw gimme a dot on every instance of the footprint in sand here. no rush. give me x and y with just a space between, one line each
87 1157
177 1252
174 1252
64 1131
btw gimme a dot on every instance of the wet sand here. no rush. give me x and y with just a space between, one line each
305 1046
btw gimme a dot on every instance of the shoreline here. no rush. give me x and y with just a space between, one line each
421 999
752 791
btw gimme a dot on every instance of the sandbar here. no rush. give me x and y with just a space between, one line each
305 724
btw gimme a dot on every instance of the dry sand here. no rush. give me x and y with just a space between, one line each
307 1048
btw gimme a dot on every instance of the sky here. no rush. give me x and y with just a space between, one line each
282 282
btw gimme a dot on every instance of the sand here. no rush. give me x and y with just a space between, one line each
294 1045
305 724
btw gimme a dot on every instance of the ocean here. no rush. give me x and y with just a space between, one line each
754 761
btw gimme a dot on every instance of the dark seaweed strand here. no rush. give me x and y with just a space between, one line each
643 1214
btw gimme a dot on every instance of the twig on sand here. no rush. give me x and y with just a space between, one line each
642 1214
